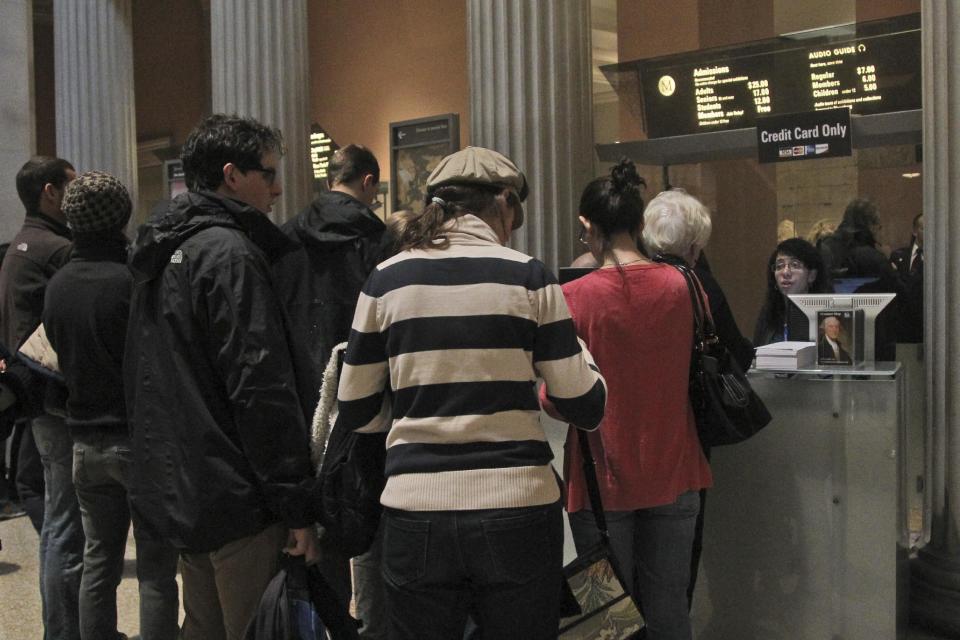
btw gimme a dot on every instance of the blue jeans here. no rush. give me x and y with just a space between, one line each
61 537
501 565
652 548
101 466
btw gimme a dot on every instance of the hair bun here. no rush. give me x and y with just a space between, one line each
624 175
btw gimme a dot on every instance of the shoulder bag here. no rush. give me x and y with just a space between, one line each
601 607
350 467
725 406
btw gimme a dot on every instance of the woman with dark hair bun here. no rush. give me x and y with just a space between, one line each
795 266
637 320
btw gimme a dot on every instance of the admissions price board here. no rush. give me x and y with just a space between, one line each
872 68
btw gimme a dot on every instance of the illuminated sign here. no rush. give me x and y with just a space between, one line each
873 67
322 147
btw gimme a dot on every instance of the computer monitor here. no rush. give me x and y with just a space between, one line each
870 303
572 273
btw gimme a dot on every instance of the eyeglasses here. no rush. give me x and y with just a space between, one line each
269 175
783 265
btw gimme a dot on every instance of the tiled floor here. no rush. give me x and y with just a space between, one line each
18 584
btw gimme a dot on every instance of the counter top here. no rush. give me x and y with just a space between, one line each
867 370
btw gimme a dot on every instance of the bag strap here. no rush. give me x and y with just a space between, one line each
593 487
704 331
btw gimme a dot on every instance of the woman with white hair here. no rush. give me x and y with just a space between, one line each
675 223
636 318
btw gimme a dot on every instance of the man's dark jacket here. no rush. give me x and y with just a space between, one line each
341 241
40 248
85 317
219 440
910 325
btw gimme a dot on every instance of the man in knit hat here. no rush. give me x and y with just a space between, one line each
85 316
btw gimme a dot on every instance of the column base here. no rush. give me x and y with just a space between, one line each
935 591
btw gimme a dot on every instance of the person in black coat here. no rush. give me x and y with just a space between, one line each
341 240
852 254
852 250
220 447
85 315
908 263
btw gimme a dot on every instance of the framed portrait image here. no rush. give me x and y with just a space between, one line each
839 337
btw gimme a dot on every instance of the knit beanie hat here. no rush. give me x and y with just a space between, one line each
96 202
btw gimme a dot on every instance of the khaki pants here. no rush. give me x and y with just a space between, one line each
221 589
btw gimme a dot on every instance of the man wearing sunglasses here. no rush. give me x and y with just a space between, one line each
220 445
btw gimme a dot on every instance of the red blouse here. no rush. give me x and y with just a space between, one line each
639 327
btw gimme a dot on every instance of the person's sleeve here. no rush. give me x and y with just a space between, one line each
363 401
575 390
247 341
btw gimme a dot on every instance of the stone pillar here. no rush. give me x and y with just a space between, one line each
260 68
17 125
93 57
935 574
530 98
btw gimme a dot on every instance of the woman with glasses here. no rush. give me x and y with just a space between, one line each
795 266
636 318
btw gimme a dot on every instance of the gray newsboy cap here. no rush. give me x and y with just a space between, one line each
95 202
476 165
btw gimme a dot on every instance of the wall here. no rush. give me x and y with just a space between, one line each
645 30
171 86
171 67
44 98
382 61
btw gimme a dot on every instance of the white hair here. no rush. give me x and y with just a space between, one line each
674 222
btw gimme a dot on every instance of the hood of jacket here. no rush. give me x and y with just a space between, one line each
333 219
192 212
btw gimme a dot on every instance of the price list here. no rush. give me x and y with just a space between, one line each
876 72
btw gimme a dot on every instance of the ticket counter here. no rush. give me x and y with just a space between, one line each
807 526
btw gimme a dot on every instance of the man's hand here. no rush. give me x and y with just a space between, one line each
303 542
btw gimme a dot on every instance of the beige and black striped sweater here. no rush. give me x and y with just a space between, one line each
445 351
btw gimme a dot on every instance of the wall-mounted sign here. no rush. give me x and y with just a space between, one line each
416 147
804 136
322 147
870 67
174 179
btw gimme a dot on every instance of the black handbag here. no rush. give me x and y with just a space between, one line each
351 481
601 608
298 604
351 471
726 408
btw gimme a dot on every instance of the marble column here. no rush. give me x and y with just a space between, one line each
93 60
260 68
530 98
935 574
17 124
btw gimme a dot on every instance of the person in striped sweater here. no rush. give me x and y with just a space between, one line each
448 341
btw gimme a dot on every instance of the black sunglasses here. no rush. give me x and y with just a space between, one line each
270 175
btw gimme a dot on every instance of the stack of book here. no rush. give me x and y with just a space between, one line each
787 356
